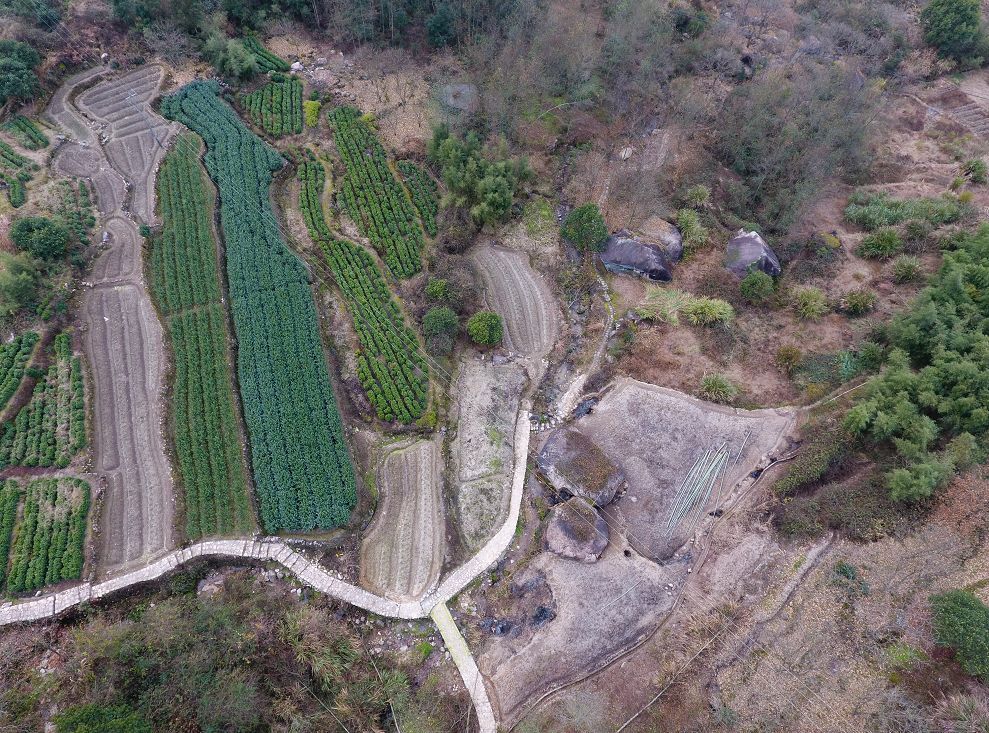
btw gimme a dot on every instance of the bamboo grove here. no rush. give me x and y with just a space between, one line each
372 195
301 464
390 365
42 532
51 427
186 288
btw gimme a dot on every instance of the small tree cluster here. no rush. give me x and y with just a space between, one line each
585 228
485 328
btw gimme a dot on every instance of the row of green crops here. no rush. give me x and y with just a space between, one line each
391 368
302 467
76 208
14 357
43 543
424 192
276 107
15 172
26 132
186 287
267 61
51 427
373 196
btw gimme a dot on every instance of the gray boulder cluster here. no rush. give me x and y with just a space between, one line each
651 257
586 478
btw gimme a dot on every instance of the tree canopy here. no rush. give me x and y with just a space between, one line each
17 77
485 328
585 228
954 28
40 237
961 622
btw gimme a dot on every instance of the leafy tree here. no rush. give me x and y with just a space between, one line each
101 719
441 321
18 282
954 28
230 56
440 26
961 622
485 328
757 287
40 237
17 77
585 228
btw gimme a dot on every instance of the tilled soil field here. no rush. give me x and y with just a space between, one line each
121 332
514 291
402 553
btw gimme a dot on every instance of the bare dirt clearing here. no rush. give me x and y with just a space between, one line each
487 397
122 335
514 290
402 553
655 435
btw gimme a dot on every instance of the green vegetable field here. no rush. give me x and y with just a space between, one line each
51 427
186 287
373 196
76 208
277 107
391 368
27 132
43 542
15 171
302 467
13 361
267 61
424 192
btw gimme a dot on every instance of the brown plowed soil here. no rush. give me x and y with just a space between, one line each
402 553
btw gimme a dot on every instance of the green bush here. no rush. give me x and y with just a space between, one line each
18 282
881 244
708 312
485 328
858 302
440 321
718 388
697 197
810 303
695 234
961 623
954 28
872 211
101 719
585 228
787 358
976 170
438 289
40 237
757 287
906 268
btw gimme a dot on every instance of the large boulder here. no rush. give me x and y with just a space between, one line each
748 251
576 531
628 254
572 463
659 231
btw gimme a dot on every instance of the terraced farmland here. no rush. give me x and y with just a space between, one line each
390 365
301 463
372 195
277 107
520 296
185 284
42 532
402 553
51 428
26 132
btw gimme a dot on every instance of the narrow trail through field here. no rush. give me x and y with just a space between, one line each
122 336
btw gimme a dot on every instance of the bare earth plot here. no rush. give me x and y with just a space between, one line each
402 553
122 334
483 455
519 295
656 435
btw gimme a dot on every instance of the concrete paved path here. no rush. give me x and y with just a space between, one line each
471 675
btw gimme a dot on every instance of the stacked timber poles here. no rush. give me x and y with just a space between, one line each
695 489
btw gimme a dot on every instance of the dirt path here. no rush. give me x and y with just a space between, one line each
121 332
402 552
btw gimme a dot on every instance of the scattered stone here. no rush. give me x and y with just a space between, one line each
296 66
576 531
573 463
626 153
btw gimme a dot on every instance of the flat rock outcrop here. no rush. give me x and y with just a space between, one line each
573 463
576 531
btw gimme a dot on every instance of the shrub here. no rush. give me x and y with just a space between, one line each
718 388
787 358
585 228
916 232
757 287
881 244
906 268
441 321
18 282
858 302
485 328
40 237
873 211
708 312
697 197
961 623
100 719
954 28
438 289
810 303
976 170
694 234
310 112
